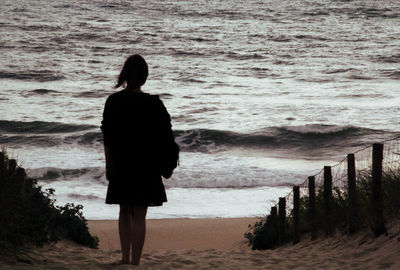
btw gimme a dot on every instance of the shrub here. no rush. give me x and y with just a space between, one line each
29 215
265 233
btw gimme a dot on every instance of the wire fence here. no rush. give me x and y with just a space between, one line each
360 191
363 164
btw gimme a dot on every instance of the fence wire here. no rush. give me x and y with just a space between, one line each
363 165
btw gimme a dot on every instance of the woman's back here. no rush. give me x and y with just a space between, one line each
134 125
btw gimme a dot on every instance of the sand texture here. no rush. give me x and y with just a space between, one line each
215 244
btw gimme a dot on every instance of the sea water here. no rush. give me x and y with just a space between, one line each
261 93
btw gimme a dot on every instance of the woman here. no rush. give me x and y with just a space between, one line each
135 127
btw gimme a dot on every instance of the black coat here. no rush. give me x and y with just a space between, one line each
135 127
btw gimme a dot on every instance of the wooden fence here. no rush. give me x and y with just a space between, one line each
327 226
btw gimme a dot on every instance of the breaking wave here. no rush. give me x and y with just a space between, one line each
302 138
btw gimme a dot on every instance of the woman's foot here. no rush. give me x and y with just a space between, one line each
121 262
125 260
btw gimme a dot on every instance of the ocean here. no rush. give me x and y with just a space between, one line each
261 93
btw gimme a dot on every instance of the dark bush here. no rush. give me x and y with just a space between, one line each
29 214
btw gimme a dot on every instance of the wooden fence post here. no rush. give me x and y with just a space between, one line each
376 198
296 214
282 220
351 189
328 200
274 220
311 200
274 211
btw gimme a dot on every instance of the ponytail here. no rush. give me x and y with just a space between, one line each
121 78
134 72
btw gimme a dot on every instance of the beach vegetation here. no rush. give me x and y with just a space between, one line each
29 214
263 234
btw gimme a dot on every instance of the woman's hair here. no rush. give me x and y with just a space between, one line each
134 72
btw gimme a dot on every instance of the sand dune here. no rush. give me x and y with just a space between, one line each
215 244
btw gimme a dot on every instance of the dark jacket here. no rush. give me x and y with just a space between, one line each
135 127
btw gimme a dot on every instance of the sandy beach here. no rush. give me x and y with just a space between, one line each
215 244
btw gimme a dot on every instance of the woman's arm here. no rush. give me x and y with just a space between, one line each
107 156
105 128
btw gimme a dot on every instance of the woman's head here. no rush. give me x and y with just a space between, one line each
134 72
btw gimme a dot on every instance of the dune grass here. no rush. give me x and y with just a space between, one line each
29 214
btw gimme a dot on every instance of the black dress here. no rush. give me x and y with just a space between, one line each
135 126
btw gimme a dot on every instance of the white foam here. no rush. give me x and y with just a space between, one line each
316 128
190 203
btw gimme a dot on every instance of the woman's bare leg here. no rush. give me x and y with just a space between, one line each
124 224
138 232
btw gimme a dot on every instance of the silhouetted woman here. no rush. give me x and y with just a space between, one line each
135 125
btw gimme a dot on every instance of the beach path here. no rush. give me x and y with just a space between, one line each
215 244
